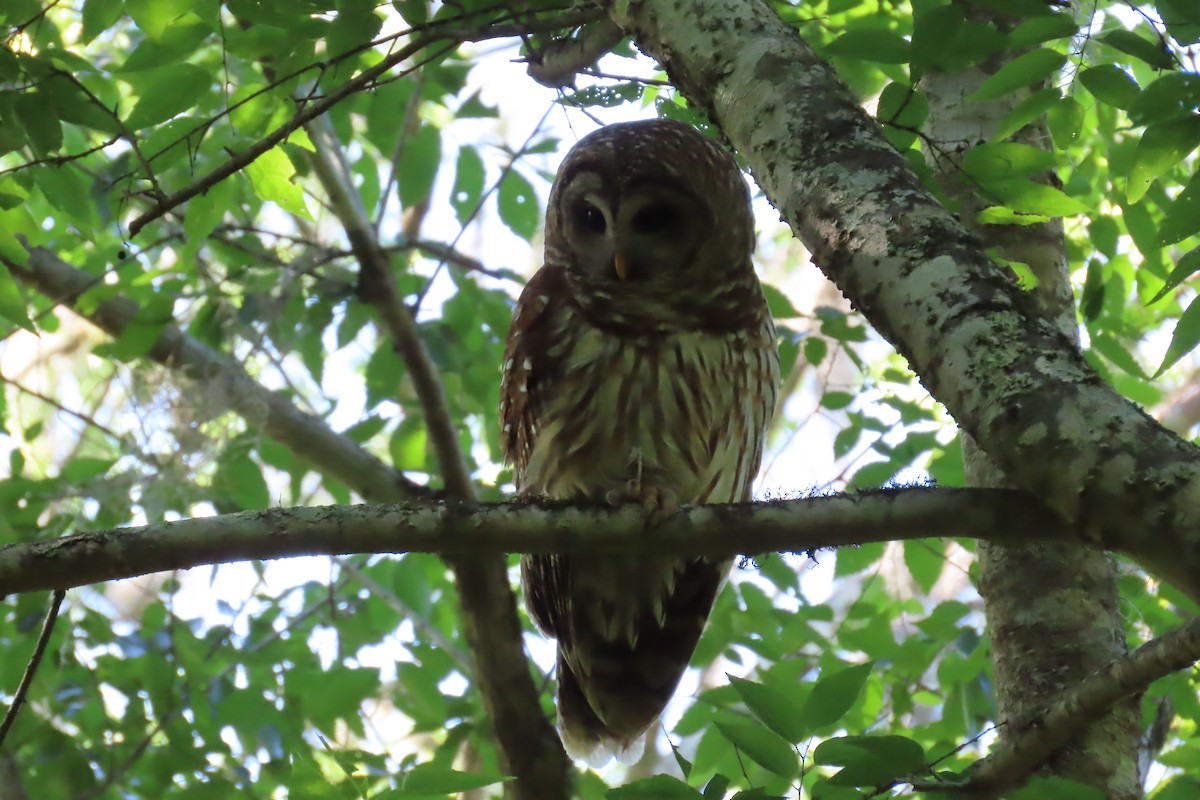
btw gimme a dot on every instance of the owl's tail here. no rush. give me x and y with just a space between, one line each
612 688
584 735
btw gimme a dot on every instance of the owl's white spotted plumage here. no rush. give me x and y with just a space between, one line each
641 364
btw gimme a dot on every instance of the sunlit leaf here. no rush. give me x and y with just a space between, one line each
1129 42
518 205
765 748
1183 216
425 780
419 165
870 44
1024 70
833 695
870 760
1184 339
774 708
1110 84
1187 266
468 184
12 302
271 176
167 91
1162 146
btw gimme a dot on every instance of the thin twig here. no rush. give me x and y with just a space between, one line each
31 668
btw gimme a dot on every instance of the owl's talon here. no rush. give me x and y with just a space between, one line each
661 503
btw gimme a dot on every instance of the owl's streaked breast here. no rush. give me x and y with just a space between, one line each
684 412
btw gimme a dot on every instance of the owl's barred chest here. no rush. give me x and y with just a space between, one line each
681 412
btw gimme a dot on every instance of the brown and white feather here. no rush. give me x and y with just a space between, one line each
666 378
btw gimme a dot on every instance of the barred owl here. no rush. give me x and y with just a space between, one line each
641 365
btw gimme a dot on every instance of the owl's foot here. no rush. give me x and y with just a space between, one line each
652 498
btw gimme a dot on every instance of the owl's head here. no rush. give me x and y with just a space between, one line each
651 221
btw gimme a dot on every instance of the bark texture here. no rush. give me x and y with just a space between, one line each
1009 375
1052 612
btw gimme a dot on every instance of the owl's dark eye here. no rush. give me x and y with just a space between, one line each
655 218
590 219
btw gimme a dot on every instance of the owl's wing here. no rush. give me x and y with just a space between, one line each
529 368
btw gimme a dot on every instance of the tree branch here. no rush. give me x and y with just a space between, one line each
556 64
529 747
1036 740
309 437
492 529
1008 375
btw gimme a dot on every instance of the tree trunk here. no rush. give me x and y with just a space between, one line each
1052 610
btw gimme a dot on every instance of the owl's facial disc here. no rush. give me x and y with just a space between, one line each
657 231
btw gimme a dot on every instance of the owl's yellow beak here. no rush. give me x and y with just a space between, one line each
621 265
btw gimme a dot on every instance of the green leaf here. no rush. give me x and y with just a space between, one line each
685 766
1002 215
903 110
716 787
870 760
167 91
1065 120
773 708
1111 84
1110 348
1092 299
925 559
419 165
1162 146
468 184
1129 42
12 302
1187 266
518 205
658 787
606 96
1029 197
1183 217
271 176
352 29
781 307
835 400
153 16
1185 337
43 128
414 12
815 350
241 479
1173 96
1042 787
204 212
85 469
1028 110
1042 29
67 190
408 445
834 695
99 16
994 161
765 748
870 44
1182 18
426 780
177 44
1024 70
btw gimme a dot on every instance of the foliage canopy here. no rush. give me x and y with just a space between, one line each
172 150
